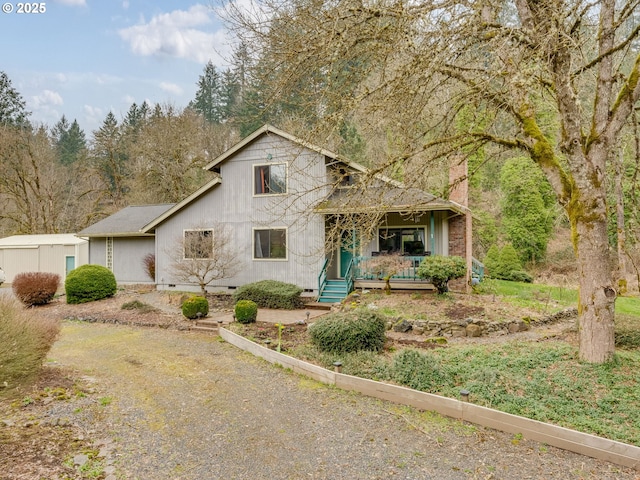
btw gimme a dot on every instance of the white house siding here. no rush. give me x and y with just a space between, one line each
232 203
128 255
97 251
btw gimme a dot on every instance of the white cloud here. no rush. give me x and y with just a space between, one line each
171 88
72 3
46 99
173 34
125 4
128 99
93 116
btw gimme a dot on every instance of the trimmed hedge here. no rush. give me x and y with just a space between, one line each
89 283
195 306
271 294
35 288
246 311
349 332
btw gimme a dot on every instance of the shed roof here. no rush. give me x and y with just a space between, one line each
42 239
127 222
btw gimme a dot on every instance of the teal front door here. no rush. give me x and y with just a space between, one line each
348 250
70 264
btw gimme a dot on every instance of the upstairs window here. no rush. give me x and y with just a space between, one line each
270 244
270 179
346 178
198 244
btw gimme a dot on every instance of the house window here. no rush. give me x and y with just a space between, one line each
407 241
345 177
270 179
198 244
270 243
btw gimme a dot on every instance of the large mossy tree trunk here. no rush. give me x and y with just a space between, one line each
597 295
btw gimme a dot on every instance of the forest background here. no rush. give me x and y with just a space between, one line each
58 178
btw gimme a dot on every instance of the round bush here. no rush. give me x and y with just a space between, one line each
89 283
246 311
195 306
349 332
35 288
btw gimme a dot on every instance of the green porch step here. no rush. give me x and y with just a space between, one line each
334 291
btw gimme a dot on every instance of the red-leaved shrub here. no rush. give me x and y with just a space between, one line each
149 264
35 288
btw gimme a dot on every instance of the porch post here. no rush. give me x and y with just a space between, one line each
432 233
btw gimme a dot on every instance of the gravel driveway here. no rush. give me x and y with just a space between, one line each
187 406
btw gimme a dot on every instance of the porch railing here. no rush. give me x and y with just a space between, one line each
322 277
477 269
369 268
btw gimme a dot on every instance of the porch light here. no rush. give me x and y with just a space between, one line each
337 367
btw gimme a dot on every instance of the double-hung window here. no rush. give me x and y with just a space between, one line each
198 244
270 243
270 179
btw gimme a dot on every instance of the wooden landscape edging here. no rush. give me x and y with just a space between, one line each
567 439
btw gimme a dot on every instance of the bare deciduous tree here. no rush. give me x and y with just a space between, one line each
386 266
556 80
204 254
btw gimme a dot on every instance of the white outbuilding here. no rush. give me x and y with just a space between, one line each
54 253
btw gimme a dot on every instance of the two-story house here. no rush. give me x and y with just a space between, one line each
293 212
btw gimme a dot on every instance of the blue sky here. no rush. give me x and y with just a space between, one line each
84 58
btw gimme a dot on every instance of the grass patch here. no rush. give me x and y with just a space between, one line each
543 298
541 381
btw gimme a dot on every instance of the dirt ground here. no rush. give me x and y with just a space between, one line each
40 437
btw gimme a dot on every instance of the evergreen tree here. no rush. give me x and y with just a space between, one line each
69 140
208 101
110 159
527 215
12 106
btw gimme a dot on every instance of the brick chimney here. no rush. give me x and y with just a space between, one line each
459 181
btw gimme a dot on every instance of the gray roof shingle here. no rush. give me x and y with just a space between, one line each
126 222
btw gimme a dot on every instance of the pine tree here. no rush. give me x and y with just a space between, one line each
110 159
70 141
208 101
12 106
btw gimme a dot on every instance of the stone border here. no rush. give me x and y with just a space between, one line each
572 440
473 327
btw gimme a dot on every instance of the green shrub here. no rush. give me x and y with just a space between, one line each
349 332
440 270
89 283
270 294
25 342
195 306
504 264
246 311
520 276
35 288
417 370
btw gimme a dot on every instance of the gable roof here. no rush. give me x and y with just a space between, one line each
396 196
127 222
266 129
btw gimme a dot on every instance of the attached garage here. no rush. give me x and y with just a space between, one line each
55 253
